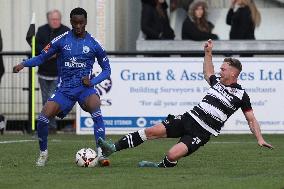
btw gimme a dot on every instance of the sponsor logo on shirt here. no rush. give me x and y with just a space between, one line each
74 64
222 90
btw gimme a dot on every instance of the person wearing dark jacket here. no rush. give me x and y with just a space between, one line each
154 20
196 26
243 17
47 72
2 70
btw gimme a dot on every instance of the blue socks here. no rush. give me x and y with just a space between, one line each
42 131
42 128
99 126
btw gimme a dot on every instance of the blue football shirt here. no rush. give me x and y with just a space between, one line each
75 59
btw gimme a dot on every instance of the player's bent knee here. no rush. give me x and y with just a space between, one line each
92 103
178 151
50 109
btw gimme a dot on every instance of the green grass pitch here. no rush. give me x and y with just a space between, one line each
228 161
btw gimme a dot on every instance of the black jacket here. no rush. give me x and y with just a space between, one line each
242 26
2 70
43 36
154 26
190 31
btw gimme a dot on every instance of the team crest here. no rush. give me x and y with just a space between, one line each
86 49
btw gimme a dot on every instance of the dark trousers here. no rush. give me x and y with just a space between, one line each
47 89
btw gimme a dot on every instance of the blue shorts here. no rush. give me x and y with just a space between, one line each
67 97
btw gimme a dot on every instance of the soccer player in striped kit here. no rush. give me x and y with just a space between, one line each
195 127
77 51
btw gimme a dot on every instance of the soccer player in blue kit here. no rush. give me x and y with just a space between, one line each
76 51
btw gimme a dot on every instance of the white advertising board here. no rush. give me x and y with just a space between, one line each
143 91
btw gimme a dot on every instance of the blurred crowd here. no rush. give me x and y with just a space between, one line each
243 17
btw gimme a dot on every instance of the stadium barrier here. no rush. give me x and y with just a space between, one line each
15 88
221 47
15 95
143 91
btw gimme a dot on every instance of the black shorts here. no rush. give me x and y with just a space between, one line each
189 131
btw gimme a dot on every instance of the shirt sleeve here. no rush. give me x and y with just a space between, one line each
103 61
49 50
246 105
213 80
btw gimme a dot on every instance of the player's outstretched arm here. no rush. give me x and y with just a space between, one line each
208 68
255 129
49 51
18 68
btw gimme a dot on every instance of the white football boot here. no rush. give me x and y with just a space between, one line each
103 161
42 159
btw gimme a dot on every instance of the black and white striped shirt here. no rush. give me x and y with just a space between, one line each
219 104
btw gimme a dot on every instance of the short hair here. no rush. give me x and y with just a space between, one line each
78 11
234 63
53 11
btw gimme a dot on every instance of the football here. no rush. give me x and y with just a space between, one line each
86 157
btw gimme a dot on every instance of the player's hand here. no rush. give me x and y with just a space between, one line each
18 68
262 143
86 81
208 46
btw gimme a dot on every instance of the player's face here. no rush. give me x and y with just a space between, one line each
78 23
225 72
228 73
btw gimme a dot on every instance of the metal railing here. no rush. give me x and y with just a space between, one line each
15 94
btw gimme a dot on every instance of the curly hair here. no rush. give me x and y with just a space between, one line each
78 11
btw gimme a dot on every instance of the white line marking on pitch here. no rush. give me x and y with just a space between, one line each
233 142
22 141
15 141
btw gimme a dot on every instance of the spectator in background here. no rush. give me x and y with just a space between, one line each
196 26
243 17
2 70
47 72
154 20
